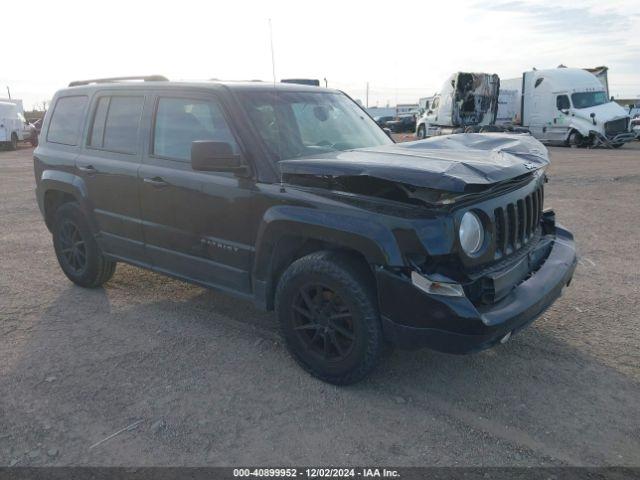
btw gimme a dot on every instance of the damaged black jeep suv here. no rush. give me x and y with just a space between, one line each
293 197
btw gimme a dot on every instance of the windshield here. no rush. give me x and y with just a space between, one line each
299 124
588 99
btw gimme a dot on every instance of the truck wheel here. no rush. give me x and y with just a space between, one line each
329 318
422 132
78 253
14 142
575 140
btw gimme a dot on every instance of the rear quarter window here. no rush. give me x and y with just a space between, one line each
66 121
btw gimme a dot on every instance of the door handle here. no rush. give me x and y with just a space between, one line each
88 169
157 182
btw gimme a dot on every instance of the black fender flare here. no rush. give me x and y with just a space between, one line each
372 239
60 181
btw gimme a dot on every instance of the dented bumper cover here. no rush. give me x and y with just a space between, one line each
412 318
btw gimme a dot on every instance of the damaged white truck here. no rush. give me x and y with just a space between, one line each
467 102
564 106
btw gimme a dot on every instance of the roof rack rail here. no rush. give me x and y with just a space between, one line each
146 78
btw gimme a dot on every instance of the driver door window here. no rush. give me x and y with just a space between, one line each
180 121
562 102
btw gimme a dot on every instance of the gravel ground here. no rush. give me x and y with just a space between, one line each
202 378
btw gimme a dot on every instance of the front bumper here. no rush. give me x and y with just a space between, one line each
412 318
610 140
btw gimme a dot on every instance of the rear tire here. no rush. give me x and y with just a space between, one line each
329 319
77 250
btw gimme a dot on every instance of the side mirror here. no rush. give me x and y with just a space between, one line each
210 156
593 117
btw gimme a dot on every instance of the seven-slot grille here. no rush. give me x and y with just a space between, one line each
516 223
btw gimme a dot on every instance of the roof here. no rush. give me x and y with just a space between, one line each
570 79
210 84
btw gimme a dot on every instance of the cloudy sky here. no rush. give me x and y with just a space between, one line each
405 50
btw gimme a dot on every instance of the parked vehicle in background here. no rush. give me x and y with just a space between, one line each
566 106
38 124
382 121
33 134
314 82
635 126
423 105
467 102
14 127
291 196
402 123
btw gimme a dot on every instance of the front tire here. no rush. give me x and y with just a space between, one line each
78 253
422 132
328 315
14 142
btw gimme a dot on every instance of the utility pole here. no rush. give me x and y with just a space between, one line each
9 92
367 102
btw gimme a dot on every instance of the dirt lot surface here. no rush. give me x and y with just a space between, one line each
204 379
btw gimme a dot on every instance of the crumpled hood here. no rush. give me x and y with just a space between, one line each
604 113
461 163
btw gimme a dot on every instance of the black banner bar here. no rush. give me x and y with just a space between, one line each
392 473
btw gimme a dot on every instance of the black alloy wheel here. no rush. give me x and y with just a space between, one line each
323 322
72 247
78 253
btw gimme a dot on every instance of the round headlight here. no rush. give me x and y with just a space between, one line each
471 233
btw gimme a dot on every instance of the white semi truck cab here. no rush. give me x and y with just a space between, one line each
566 106
466 102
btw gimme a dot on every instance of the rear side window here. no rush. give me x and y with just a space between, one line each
180 121
115 124
66 121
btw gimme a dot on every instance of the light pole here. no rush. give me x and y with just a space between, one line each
367 102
